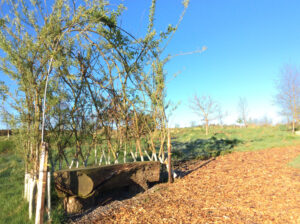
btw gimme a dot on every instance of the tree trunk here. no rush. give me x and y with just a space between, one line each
161 154
245 123
147 154
171 180
206 127
138 143
125 152
293 126
133 156
153 148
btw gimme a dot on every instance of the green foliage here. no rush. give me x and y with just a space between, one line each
2 22
100 77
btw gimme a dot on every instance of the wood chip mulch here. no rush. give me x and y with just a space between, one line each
242 187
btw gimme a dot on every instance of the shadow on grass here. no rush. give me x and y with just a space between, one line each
203 148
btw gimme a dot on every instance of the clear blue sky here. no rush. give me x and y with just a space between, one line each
248 42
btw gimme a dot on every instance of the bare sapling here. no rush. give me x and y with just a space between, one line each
205 107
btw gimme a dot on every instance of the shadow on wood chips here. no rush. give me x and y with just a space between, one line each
107 197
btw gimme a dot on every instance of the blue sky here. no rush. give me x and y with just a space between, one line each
248 42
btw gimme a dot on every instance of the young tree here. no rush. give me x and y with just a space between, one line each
221 115
288 94
243 111
35 43
78 73
205 107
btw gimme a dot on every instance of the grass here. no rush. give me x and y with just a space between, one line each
295 163
193 143
13 208
6 145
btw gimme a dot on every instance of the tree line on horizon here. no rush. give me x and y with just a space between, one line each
287 99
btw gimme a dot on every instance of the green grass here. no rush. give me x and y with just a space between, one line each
295 163
14 209
263 137
6 145
193 143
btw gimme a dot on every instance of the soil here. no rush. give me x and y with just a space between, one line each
242 187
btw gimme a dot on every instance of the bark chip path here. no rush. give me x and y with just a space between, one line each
242 187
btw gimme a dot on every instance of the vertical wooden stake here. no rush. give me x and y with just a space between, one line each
125 153
171 180
49 194
32 193
95 154
39 215
26 186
